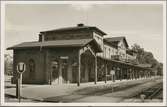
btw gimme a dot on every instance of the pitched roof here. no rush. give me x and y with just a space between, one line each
116 40
55 43
76 28
113 44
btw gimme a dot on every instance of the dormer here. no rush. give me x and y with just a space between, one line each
119 42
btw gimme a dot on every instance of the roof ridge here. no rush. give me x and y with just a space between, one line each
75 28
71 42
65 28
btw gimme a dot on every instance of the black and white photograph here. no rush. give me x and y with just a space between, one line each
92 53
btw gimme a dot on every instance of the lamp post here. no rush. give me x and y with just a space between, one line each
21 67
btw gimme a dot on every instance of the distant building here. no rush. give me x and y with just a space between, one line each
74 55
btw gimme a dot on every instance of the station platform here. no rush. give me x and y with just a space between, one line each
54 92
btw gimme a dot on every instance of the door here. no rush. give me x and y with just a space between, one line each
55 72
32 69
59 71
64 70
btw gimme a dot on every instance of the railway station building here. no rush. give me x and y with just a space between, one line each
75 55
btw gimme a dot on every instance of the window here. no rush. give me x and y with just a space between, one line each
53 38
113 52
46 38
122 46
109 52
104 51
32 68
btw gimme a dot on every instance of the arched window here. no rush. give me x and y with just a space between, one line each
32 68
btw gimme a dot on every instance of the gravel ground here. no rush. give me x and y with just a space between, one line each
122 95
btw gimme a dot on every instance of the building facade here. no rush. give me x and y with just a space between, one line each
75 55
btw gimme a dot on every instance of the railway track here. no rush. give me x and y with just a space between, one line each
155 92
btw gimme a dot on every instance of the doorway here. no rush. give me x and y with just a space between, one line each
59 71
55 72
64 70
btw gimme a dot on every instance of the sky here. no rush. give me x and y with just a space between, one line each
139 23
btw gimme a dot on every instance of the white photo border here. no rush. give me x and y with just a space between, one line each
3 3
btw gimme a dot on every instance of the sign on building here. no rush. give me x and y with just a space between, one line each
21 67
112 72
64 57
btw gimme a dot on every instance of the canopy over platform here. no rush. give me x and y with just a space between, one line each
141 66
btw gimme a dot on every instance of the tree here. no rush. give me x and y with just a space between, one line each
8 64
139 51
160 69
144 57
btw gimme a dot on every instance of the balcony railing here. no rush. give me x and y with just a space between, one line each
119 58
115 57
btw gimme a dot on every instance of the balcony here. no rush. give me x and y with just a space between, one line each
119 58
115 57
132 61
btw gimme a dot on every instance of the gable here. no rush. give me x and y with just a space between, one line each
116 40
122 44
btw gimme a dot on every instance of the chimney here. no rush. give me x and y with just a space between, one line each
41 37
80 24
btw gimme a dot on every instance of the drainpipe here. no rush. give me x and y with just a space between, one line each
41 35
